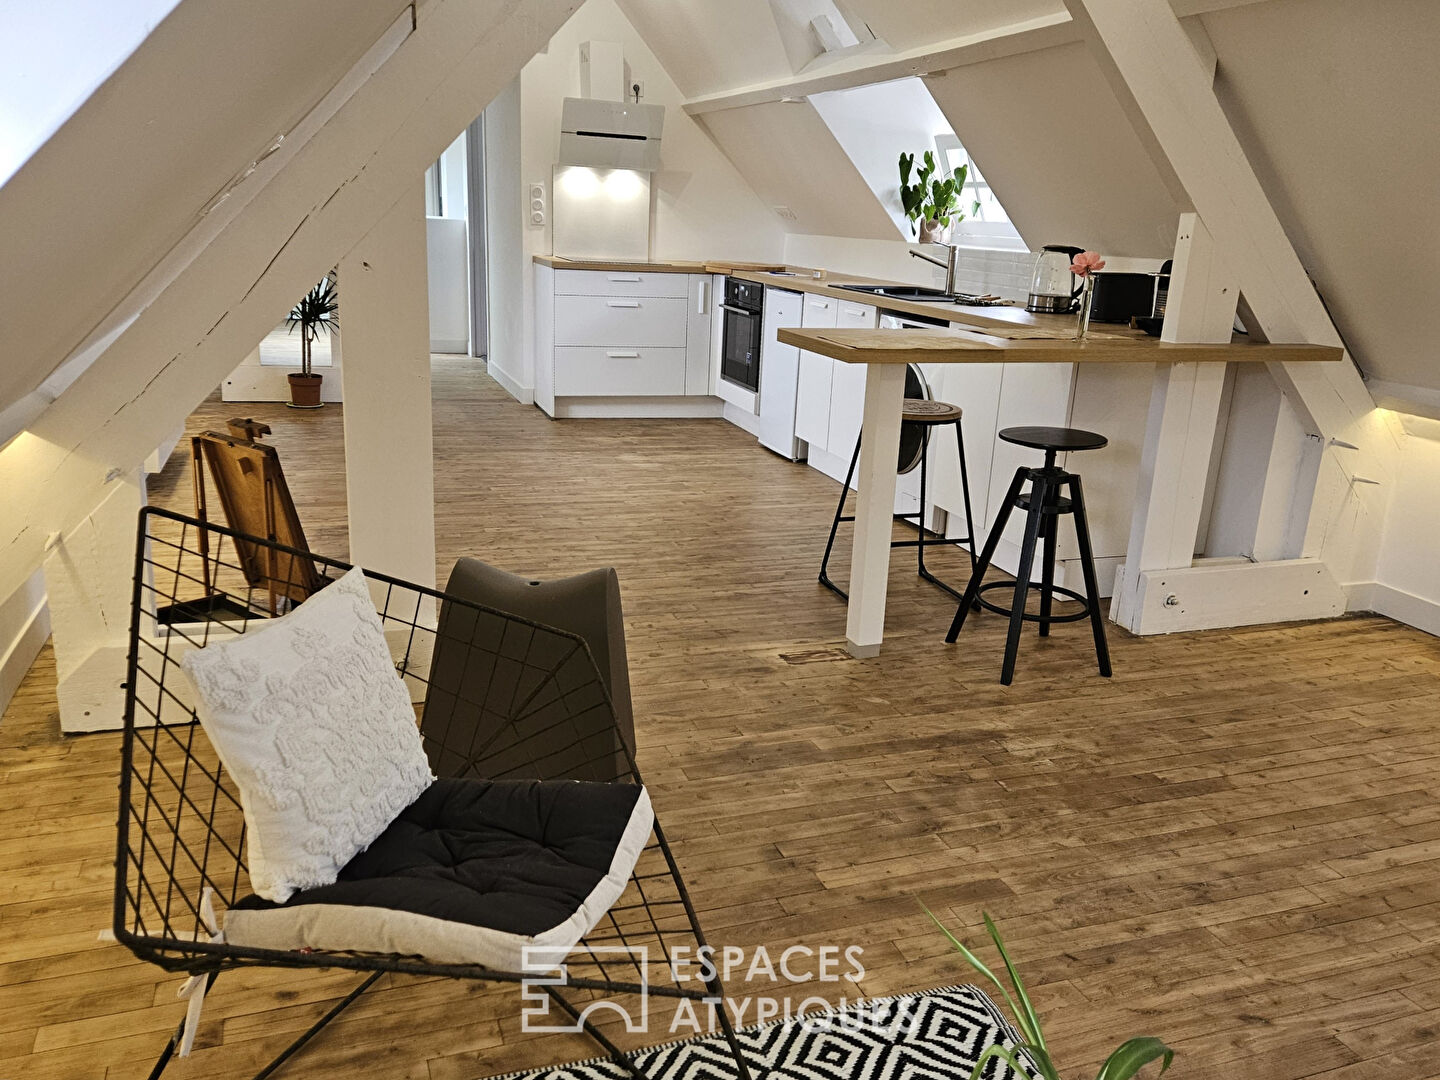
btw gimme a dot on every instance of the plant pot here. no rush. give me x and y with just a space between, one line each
305 390
932 232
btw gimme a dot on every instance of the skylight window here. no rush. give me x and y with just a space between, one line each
989 226
54 55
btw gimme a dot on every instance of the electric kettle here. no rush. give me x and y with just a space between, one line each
1053 288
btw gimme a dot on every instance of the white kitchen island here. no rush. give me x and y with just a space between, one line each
1183 370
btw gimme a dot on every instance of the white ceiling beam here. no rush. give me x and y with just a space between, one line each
878 66
293 225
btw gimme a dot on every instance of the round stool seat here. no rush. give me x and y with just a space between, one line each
926 411
1054 438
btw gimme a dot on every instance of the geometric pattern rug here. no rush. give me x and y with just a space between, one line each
929 1035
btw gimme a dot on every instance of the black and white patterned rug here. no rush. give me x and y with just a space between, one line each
929 1035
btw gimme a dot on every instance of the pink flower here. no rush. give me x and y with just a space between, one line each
1085 262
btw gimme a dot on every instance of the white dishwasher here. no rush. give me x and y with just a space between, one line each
779 374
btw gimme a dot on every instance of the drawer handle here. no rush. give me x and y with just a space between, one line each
819 303
623 355
622 277
622 303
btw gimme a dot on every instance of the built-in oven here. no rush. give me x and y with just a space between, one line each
740 348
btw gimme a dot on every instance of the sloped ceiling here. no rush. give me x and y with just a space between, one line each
129 174
707 46
1333 102
788 155
1060 155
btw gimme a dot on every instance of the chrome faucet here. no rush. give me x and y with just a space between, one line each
947 264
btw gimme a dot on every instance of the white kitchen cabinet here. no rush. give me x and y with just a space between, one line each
597 371
621 283
847 385
1111 399
812 393
976 389
779 374
658 322
623 343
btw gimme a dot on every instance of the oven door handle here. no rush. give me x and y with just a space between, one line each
740 310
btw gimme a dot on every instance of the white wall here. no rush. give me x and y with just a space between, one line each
507 270
1407 565
448 265
702 208
24 626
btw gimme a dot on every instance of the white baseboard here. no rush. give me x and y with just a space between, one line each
646 408
523 394
21 652
1394 603
742 418
450 346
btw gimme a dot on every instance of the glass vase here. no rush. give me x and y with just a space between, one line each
1087 297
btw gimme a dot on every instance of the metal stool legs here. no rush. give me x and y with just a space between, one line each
835 526
927 536
1092 590
1043 505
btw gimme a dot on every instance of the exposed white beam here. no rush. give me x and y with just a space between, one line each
1151 65
389 449
1180 431
879 66
876 65
294 226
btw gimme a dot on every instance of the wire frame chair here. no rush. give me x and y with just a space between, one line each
498 697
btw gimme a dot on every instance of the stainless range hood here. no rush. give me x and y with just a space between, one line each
611 134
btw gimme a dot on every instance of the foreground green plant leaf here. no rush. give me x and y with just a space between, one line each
1132 1056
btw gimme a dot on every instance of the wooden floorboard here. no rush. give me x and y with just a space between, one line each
1233 844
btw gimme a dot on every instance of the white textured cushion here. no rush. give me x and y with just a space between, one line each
311 719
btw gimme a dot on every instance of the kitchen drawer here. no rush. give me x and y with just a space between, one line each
608 320
859 316
620 283
819 311
598 372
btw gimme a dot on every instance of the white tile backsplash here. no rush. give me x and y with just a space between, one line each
1004 273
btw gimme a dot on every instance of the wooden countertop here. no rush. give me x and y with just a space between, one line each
1029 346
681 266
1005 315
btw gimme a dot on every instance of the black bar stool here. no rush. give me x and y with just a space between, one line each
1043 505
921 414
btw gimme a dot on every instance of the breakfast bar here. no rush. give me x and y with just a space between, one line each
886 352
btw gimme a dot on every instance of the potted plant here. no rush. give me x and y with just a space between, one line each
930 203
317 312
1128 1058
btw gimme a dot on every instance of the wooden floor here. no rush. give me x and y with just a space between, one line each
1233 844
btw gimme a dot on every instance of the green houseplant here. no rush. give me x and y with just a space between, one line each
318 312
1127 1059
931 204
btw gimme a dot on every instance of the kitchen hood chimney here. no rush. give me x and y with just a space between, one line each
611 134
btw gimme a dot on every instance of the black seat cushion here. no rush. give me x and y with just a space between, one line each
473 871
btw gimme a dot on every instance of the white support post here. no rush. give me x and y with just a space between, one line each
89 576
875 508
389 453
1180 430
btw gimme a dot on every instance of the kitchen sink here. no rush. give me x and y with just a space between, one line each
914 293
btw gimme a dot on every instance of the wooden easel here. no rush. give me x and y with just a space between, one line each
255 499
